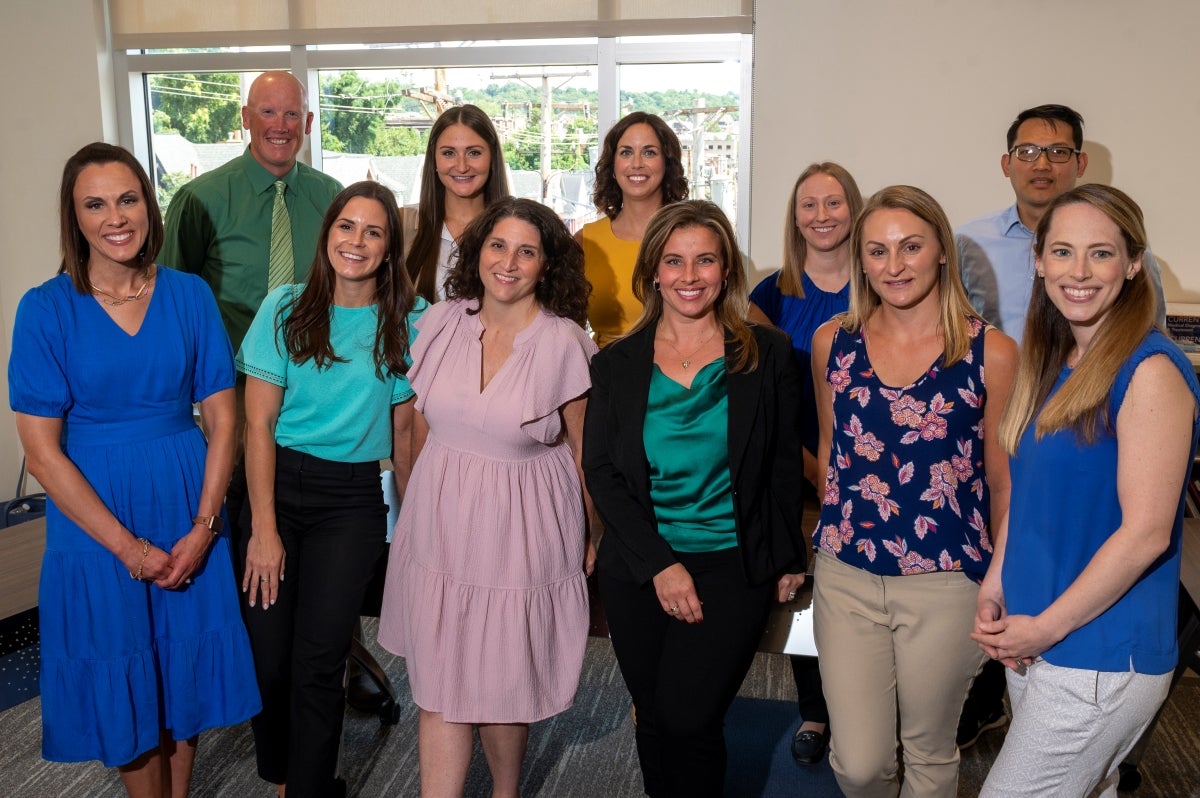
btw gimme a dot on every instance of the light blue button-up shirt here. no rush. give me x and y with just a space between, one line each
995 257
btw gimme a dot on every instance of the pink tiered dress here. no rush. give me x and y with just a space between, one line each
486 597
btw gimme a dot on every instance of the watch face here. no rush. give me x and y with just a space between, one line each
214 523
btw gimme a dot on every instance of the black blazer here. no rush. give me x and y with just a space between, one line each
765 465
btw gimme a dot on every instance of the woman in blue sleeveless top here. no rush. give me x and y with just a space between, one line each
1080 600
910 384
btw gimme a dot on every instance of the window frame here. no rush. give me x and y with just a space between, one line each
609 54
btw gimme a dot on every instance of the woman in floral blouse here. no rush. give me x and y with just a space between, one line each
910 385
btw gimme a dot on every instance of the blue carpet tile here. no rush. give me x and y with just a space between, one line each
19 659
758 734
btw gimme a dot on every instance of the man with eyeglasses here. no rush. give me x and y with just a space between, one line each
1044 159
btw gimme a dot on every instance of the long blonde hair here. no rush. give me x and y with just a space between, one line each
956 312
733 301
1082 401
795 248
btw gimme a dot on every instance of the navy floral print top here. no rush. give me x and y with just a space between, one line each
905 488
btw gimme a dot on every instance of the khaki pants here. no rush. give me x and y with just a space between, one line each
895 655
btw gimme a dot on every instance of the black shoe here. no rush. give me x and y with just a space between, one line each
808 747
971 726
364 693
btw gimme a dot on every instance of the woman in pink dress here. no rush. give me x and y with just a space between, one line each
486 596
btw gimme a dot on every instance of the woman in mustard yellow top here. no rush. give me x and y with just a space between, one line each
640 170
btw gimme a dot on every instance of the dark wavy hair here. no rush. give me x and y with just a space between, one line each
607 194
421 262
562 289
75 249
306 330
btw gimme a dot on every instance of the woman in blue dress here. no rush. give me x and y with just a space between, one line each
326 399
142 647
1080 600
812 287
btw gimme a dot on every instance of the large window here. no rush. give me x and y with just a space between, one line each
551 101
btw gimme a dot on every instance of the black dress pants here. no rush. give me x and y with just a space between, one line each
332 520
683 677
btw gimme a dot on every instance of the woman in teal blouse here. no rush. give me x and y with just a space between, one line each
692 457
326 399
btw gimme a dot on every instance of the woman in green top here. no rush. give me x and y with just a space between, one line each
692 457
325 365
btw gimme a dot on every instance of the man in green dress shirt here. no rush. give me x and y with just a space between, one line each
219 225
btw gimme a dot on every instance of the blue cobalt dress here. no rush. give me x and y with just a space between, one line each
123 660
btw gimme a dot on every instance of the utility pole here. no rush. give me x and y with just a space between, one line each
547 113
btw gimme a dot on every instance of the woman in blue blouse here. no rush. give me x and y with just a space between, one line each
325 401
1080 600
812 287
910 386
692 457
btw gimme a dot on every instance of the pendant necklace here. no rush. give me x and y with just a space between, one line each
686 360
115 301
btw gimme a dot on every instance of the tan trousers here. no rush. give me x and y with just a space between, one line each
895 656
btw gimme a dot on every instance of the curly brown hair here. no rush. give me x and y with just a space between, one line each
306 331
607 194
562 289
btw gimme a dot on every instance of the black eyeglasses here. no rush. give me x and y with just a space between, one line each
1031 152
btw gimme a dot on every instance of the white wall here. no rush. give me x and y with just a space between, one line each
922 92
56 61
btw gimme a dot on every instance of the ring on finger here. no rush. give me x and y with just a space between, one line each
674 610
265 579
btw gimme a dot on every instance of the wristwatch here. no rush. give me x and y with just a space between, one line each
213 523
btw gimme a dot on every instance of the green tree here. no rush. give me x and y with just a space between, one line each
349 112
398 141
168 184
204 108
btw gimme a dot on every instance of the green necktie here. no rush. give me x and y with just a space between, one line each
281 266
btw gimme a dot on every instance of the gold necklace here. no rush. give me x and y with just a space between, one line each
686 360
115 301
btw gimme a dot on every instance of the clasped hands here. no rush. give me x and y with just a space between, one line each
169 570
1014 640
